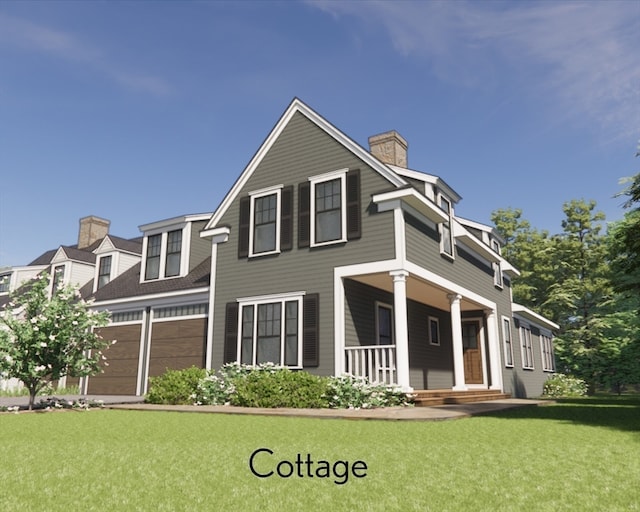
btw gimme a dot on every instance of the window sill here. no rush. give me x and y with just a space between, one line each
260 254
329 243
447 256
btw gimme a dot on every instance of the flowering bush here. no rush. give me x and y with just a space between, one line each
43 337
348 392
561 385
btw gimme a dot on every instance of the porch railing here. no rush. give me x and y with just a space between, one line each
376 362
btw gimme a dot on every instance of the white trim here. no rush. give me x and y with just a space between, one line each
212 305
494 369
437 321
218 235
385 305
387 201
323 178
295 107
150 300
281 299
525 342
533 316
400 236
258 194
448 224
543 339
504 342
260 299
174 223
147 362
426 178
141 351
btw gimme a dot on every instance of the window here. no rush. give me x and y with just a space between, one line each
164 255
174 311
5 279
446 233
154 248
126 316
58 278
508 345
384 324
526 348
548 358
265 225
434 330
270 331
104 271
497 268
328 205
174 249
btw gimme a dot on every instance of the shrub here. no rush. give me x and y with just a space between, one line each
175 387
561 385
280 388
349 392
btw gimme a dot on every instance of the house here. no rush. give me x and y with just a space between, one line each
97 258
323 256
331 258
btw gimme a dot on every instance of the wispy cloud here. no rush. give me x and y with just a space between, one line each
583 55
29 36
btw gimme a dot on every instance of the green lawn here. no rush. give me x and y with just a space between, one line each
579 455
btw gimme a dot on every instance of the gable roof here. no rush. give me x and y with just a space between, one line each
297 106
133 245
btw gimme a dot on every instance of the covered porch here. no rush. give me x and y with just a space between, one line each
414 330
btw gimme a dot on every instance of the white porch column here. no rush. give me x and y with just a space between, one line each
456 338
401 328
494 350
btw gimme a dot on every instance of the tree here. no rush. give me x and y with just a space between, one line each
43 338
532 253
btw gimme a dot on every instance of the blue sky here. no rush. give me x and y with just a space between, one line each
142 111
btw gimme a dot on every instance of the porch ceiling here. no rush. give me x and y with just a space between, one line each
418 290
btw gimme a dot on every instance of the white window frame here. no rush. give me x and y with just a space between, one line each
526 348
389 307
340 174
164 240
63 278
257 194
441 226
437 322
546 353
5 280
507 333
282 298
497 266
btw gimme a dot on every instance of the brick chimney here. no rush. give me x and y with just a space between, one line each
91 229
390 148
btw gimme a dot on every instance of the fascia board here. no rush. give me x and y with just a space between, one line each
533 316
176 222
298 106
414 199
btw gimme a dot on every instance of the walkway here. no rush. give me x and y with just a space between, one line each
435 413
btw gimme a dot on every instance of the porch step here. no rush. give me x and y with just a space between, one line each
426 398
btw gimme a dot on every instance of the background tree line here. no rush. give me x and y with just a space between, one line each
587 280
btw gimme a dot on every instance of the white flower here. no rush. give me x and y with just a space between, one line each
33 320
75 322
40 368
43 344
8 358
52 337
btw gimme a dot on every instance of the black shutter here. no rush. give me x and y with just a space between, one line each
243 227
286 219
231 333
310 330
304 214
354 214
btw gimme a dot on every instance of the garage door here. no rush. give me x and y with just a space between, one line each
177 344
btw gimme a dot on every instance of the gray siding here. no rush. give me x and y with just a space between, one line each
430 366
518 381
301 151
200 248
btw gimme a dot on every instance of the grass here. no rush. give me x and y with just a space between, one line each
47 391
581 455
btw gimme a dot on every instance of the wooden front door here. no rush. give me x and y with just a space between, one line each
472 352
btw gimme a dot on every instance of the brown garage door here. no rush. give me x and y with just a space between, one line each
120 377
176 345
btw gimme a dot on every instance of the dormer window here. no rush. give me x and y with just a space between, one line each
104 271
163 255
446 233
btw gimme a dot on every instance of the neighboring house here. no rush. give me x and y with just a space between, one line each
158 307
335 259
97 258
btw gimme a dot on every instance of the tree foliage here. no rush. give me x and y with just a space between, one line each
43 338
569 278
